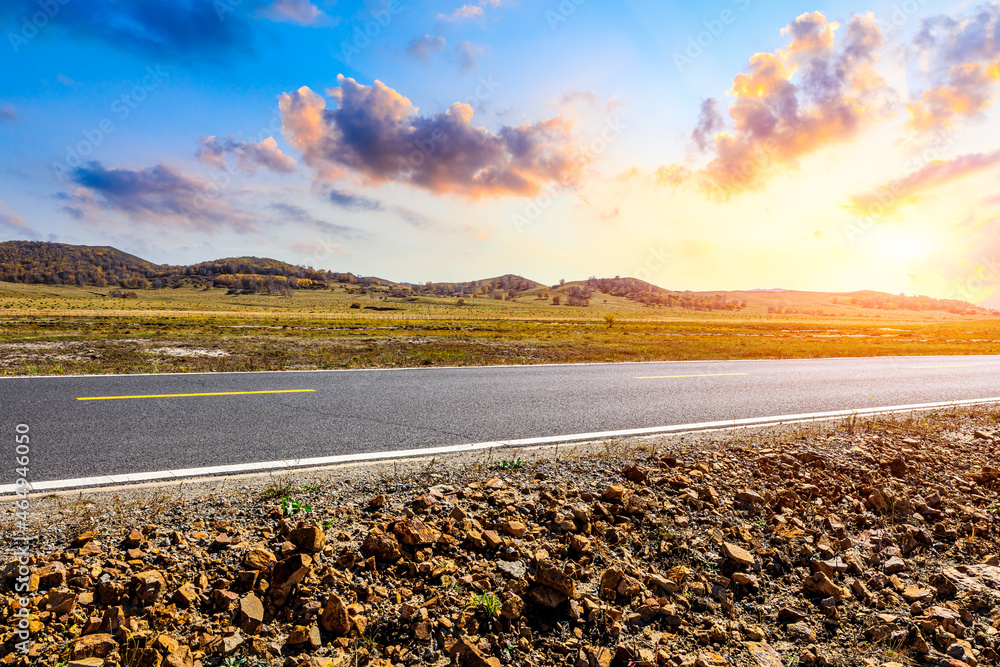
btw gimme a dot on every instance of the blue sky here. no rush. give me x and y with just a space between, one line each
550 139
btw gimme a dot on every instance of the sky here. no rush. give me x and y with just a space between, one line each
723 144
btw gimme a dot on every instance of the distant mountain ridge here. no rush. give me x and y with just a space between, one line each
41 262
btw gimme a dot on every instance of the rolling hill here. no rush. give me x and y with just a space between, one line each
37 262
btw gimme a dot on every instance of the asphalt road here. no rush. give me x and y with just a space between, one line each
340 412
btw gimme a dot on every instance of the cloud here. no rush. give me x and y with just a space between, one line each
302 216
422 47
947 41
344 199
317 250
377 134
574 98
264 154
963 59
194 31
301 12
969 91
790 103
470 11
159 195
411 217
905 191
7 114
710 121
13 223
466 53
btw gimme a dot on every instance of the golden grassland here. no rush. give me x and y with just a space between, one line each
66 329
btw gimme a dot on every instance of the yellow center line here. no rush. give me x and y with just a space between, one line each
214 393
955 366
704 375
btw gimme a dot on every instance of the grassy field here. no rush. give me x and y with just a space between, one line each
56 330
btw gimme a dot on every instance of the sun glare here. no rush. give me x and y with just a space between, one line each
900 245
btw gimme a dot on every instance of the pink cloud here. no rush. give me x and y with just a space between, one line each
789 104
907 190
375 133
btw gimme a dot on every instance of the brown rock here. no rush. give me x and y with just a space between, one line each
288 573
58 602
634 474
708 659
147 586
309 537
492 539
791 615
384 546
166 644
304 634
513 607
422 631
895 565
334 617
251 613
628 587
413 532
515 529
763 654
466 654
737 554
981 579
91 548
547 597
610 579
614 492
820 583
186 595
182 657
231 643
224 600
549 575
52 574
916 593
83 538
801 632
93 646
260 560
86 662
580 544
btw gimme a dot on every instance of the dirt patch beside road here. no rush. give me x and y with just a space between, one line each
864 543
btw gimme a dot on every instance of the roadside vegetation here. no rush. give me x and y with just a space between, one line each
66 329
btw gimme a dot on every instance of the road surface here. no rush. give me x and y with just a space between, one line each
97 426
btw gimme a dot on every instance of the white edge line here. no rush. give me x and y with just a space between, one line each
290 464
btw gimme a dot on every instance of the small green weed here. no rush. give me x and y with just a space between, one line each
486 603
292 506
276 490
515 464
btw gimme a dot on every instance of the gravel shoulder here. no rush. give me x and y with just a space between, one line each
838 543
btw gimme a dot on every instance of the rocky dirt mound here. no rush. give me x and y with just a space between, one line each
857 544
